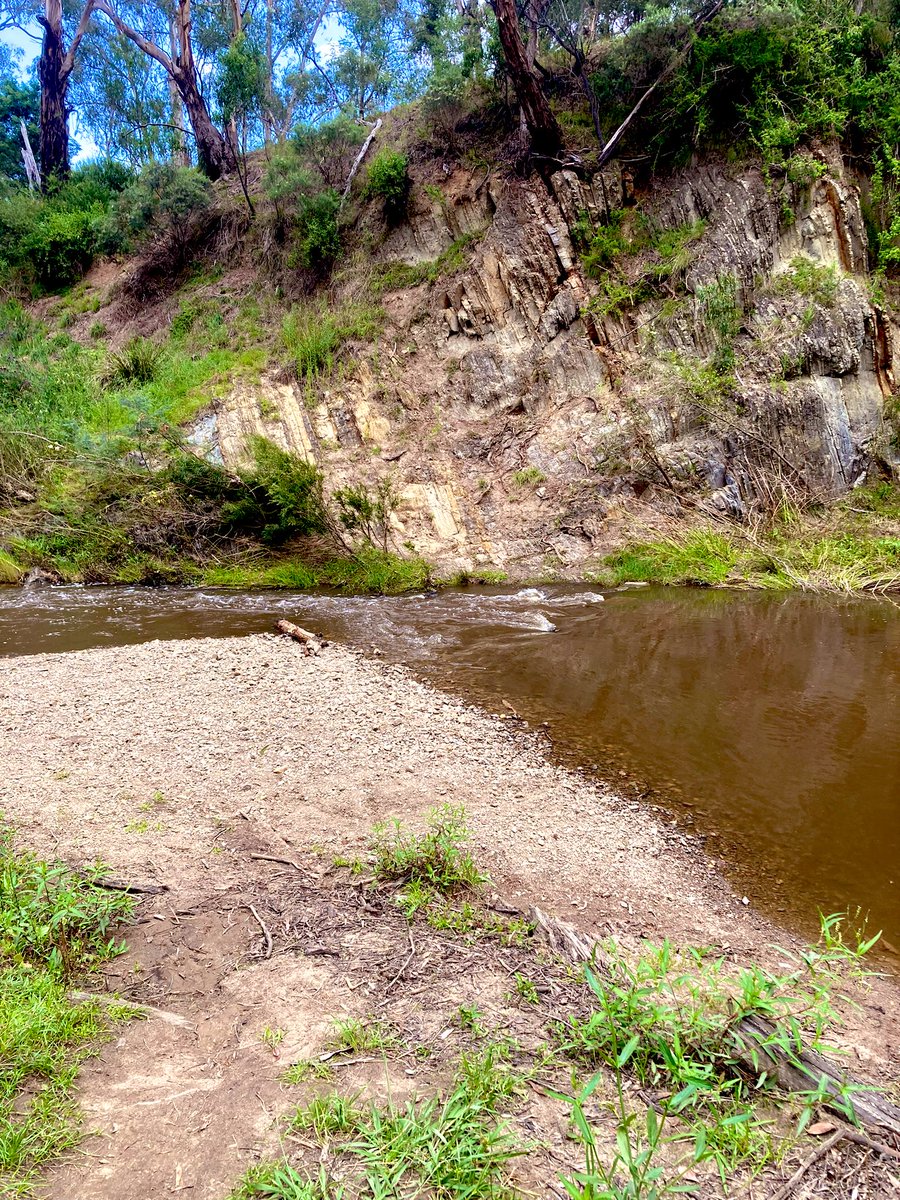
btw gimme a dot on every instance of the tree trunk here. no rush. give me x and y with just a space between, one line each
179 148
54 140
215 153
543 128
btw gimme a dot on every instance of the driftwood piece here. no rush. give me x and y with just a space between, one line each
804 1070
311 642
800 1071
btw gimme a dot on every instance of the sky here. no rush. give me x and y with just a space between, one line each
29 48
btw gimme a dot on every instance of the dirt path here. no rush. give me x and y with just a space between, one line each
193 765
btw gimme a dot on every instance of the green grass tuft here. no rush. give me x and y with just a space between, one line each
54 925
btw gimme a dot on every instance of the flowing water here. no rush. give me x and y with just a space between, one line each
767 723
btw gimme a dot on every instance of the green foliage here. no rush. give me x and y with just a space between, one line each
438 858
362 1037
528 477
138 361
328 1115
392 276
718 302
48 242
446 1148
54 924
698 557
803 277
18 102
388 179
161 203
53 918
329 148
368 511
668 1020
314 333
292 493
242 82
632 259
306 214
601 244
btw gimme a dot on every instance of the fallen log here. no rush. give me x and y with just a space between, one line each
311 642
753 1047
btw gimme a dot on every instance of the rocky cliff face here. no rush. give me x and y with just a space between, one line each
728 355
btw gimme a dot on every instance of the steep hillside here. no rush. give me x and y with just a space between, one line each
537 375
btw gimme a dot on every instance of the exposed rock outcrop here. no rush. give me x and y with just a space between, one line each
517 396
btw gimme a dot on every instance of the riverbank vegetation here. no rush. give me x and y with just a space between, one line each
56 926
642 1055
851 546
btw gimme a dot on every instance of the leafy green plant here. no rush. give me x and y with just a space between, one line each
53 917
718 302
388 179
528 477
364 1036
670 1019
54 925
327 1115
805 278
368 511
292 491
438 858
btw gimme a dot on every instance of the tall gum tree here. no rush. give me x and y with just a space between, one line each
544 132
55 66
215 153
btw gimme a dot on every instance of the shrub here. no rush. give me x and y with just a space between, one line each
388 179
159 203
329 149
291 493
304 211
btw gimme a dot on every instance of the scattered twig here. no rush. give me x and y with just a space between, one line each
265 930
857 1136
137 889
350 1062
406 961
786 1189
288 862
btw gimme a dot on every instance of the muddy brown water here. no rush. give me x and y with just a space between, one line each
767 724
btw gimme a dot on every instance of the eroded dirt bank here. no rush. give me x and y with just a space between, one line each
231 773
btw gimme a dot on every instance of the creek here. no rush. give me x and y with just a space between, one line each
766 724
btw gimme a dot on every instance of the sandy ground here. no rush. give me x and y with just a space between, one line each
231 772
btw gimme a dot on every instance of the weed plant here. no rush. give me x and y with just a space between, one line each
670 1021
439 859
450 1149
54 925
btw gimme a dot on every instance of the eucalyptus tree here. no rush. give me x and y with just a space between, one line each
122 99
56 63
216 153
19 104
